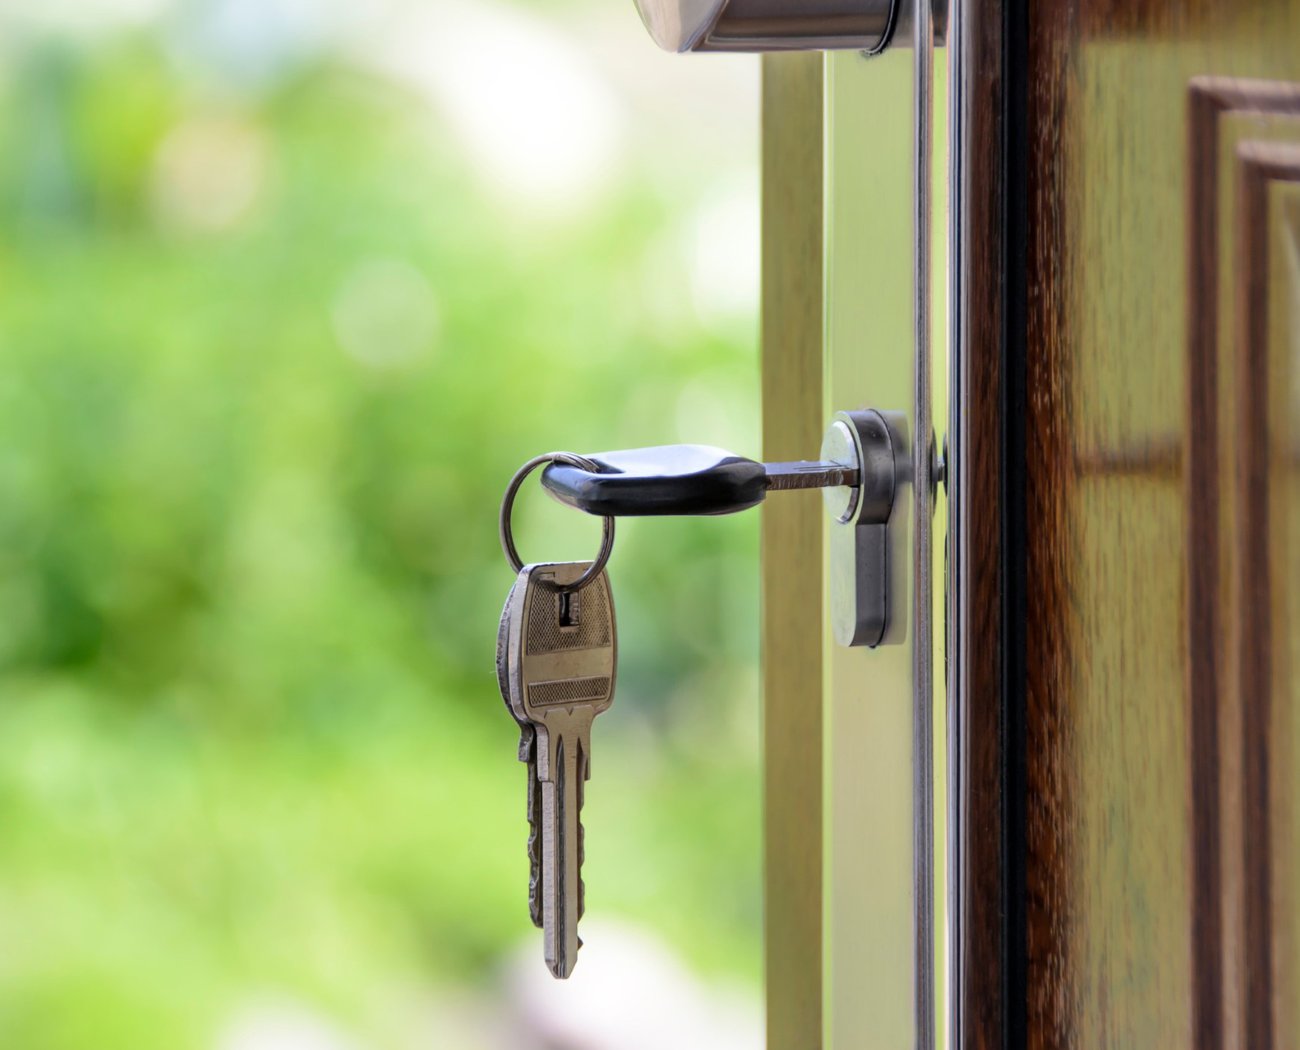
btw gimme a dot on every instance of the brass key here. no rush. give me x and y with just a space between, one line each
559 658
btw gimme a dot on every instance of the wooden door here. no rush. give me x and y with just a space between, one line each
1126 543
1123 606
1124 557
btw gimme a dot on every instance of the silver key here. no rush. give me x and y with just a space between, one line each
527 754
560 656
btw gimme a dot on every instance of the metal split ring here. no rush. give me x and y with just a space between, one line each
507 505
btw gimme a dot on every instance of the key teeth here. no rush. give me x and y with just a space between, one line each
534 879
534 840
535 902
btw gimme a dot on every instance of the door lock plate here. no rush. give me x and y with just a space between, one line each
865 569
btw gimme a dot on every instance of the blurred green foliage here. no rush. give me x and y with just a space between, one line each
250 738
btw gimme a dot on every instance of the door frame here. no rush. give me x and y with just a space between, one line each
984 463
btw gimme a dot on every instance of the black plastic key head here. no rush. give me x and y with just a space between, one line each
663 480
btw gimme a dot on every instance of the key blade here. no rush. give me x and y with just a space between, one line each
808 475
561 869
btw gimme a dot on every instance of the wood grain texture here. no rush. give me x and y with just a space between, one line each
1118 950
792 627
1284 565
1215 718
977 740
1283 538
1143 19
1053 832
1263 642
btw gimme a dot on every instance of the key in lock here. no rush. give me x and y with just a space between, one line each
865 462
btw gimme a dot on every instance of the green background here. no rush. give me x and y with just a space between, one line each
273 336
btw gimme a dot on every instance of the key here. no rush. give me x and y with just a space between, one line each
684 479
560 657
527 754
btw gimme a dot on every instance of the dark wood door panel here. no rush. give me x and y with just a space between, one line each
1131 739
1223 114
1267 555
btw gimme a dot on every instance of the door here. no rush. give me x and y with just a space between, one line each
1118 633
1125 542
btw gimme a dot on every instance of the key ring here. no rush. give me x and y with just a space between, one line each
569 459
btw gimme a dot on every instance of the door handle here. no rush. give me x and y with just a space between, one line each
761 25
865 461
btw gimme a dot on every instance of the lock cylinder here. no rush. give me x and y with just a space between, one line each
772 25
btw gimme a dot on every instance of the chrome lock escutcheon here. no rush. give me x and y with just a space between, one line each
865 458
861 567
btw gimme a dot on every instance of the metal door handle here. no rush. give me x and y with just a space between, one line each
764 25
